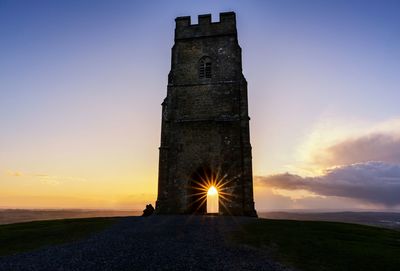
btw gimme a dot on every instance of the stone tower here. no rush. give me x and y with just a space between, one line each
205 124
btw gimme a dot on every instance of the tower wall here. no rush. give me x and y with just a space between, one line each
205 121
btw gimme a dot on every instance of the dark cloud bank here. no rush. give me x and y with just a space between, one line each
369 171
370 182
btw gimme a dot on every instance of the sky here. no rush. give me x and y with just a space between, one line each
81 83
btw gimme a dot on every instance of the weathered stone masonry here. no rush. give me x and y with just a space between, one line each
205 122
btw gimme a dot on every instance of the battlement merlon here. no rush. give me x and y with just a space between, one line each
226 26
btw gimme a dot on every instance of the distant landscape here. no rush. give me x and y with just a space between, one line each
389 220
380 219
8 216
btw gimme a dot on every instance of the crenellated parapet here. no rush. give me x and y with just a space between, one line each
226 26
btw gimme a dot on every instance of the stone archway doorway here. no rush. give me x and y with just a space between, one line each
203 197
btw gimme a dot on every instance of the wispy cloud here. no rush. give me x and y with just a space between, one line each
56 180
374 147
14 173
46 178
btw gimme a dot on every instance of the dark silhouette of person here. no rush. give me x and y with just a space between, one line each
148 211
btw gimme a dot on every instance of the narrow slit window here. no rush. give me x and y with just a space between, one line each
205 68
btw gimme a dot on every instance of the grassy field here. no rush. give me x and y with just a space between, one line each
27 236
313 245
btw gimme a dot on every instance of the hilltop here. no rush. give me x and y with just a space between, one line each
196 243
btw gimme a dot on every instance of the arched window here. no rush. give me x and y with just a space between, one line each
205 68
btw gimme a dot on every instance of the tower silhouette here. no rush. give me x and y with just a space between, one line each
205 134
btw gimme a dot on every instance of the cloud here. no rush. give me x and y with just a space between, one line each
368 182
383 147
56 180
46 178
14 173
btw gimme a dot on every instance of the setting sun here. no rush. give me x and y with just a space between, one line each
212 191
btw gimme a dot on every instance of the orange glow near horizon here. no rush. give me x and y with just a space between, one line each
103 188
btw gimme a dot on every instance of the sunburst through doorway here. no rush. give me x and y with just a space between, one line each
208 192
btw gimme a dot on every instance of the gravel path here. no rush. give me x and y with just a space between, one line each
152 243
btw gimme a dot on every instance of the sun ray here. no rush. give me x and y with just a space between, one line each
196 194
199 199
204 201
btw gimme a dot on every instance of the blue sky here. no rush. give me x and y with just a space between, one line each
77 78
